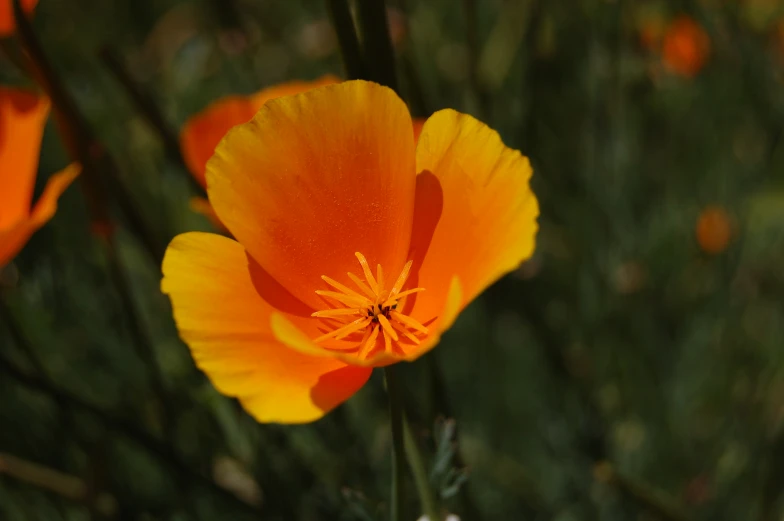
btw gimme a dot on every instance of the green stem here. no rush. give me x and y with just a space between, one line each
149 110
376 42
142 343
417 464
340 15
398 445
163 451
100 176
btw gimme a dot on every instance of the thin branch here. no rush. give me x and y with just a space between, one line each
64 485
142 439
416 462
141 340
398 444
100 175
149 110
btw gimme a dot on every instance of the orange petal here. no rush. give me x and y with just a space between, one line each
316 177
14 237
226 324
22 120
7 23
476 214
202 132
418 124
685 47
295 333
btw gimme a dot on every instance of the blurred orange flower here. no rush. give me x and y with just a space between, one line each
7 23
714 229
651 31
22 119
685 47
314 187
202 132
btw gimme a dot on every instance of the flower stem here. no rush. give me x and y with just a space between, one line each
340 15
417 464
376 42
398 450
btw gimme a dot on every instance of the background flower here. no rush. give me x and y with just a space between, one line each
22 120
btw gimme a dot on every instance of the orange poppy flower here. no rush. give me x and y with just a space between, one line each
685 47
355 247
22 120
202 132
7 22
714 229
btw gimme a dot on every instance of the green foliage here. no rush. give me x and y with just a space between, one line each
622 373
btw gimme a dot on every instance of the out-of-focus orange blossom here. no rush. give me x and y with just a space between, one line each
685 47
202 132
7 22
22 120
714 229
356 246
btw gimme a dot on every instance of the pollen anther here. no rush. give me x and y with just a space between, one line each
371 312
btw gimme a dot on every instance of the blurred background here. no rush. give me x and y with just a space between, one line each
633 369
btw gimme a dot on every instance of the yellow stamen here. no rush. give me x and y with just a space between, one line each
406 333
410 322
349 300
401 279
340 287
387 327
369 292
368 274
369 344
346 330
394 298
371 311
337 312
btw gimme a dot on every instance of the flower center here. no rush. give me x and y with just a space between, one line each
369 312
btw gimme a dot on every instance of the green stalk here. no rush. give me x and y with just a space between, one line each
340 15
426 497
376 42
398 445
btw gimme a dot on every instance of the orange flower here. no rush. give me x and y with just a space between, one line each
356 248
685 47
714 229
651 32
202 133
22 119
7 23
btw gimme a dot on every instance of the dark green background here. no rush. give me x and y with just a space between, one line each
620 343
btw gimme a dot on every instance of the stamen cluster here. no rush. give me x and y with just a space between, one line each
371 311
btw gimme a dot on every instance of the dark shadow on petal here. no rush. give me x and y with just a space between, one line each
428 205
337 386
273 292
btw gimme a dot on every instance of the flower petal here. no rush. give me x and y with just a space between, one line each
478 213
316 177
296 333
22 120
202 132
226 324
7 22
14 237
